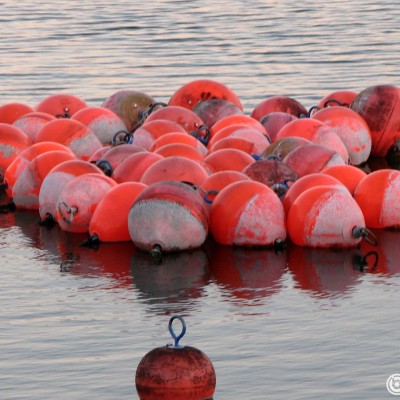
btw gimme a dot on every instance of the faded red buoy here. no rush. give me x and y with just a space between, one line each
31 123
278 103
247 213
349 175
61 105
175 372
378 197
275 121
78 200
168 216
10 112
178 137
238 143
282 147
182 150
193 92
342 98
227 159
380 107
326 216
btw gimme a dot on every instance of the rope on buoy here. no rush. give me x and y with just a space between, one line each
69 210
92 242
337 102
48 221
156 254
171 331
205 138
366 234
65 115
311 110
143 114
105 166
127 138
6 208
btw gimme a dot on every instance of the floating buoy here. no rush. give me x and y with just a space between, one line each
238 143
31 123
180 149
312 158
326 216
275 121
227 159
307 182
349 175
24 157
12 142
378 197
278 103
129 106
175 372
380 107
134 166
25 191
247 213
73 134
175 168
109 222
99 153
352 130
54 183
178 137
193 92
211 111
10 112
78 200
280 148
103 122
61 105
186 118
150 131
168 216
342 98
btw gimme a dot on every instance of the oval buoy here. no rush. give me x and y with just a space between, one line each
175 372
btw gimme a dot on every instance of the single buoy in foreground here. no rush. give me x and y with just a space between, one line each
175 372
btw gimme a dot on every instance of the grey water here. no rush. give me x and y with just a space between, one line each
299 324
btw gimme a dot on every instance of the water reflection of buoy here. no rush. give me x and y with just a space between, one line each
175 372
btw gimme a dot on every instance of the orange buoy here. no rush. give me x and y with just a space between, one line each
342 98
307 182
349 175
61 105
326 216
175 372
273 173
109 222
239 143
227 159
282 147
150 131
211 111
377 196
175 168
278 103
10 112
73 134
129 105
78 200
178 137
316 131
104 123
380 107
352 130
312 158
181 149
134 166
193 92
25 191
186 118
12 142
168 216
247 213
275 121
31 123
54 183
24 157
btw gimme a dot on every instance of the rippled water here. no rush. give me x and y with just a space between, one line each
300 324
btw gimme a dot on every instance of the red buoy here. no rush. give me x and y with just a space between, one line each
193 92
31 123
61 105
10 112
175 372
78 200
282 147
168 216
109 222
275 121
342 98
182 150
178 137
349 175
325 216
239 143
227 159
378 197
247 213
278 103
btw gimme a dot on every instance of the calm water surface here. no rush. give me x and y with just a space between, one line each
301 324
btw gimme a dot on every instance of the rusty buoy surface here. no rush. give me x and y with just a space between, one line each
175 372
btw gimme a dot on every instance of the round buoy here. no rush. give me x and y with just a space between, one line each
275 121
182 150
31 123
239 143
178 137
280 148
278 103
10 112
175 372
349 175
342 98
227 159
61 105
247 213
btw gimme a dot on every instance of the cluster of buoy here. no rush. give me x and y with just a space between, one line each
165 176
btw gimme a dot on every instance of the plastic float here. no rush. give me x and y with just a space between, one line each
342 98
275 121
280 148
278 103
61 105
10 112
227 159
182 150
178 137
32 123
349 175
175 372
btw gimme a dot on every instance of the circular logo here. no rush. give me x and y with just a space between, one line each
393 384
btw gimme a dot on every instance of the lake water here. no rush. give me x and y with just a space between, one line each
300 324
